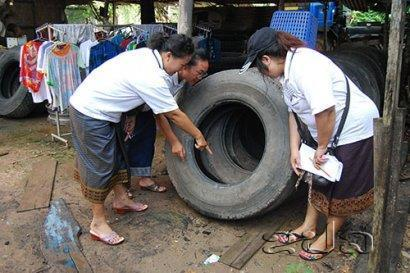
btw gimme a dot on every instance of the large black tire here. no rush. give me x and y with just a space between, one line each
245 121
373 59
359 73
15 100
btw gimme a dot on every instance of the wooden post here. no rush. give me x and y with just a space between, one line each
186 8
387 146
147 12
114 13
394 60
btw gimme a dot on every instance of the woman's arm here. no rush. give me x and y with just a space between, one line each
325 124
294 133
176 146
182 121
294 144
165 127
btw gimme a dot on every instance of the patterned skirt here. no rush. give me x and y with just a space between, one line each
99 164
354 192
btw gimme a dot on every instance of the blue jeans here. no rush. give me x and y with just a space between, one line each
141 147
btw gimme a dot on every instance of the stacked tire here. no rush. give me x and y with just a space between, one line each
245 121
15 100
366 67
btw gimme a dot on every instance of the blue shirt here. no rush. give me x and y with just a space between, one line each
102 52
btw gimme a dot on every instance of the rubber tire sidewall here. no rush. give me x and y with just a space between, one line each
21 103
271 182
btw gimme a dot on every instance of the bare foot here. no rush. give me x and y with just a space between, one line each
123 202
100 227
301 231
101 231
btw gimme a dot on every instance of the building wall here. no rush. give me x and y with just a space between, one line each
29 14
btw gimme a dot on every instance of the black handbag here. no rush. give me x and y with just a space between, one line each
306 137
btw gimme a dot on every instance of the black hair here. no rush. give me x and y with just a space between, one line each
284 42
199 55
179 45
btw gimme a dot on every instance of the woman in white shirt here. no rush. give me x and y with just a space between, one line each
117 86
315 89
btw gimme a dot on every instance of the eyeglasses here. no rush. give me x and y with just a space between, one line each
202 75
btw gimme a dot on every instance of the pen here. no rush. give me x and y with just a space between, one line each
320 167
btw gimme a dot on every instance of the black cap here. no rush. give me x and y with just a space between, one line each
261 40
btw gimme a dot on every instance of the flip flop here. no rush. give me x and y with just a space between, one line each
154 187
283 237
126 209
129 194
111 239
307 253
273 250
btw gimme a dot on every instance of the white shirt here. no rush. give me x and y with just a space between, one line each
313 83
124 83
85 49
44 92
175 87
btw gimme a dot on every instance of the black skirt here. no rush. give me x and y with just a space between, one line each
354 192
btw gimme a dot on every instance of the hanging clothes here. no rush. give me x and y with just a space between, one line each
85 50
63 73
74 33
143 37
125 43
29 76
151 28
102 52
117 39
44 92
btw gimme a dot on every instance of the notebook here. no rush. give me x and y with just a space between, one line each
331 170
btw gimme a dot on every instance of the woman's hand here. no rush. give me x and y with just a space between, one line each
201 144
178 150
129 126
295 161
319 157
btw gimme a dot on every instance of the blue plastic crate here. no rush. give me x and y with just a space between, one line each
317 9
301 24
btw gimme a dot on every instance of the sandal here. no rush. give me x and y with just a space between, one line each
272 250
309 254
111 239
154 187
283 237
129 194
126 209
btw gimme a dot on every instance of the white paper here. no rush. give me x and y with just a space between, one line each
332 169
211 259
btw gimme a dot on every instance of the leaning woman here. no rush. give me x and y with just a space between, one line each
315 89
117 86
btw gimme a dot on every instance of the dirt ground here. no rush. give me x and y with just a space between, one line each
168 237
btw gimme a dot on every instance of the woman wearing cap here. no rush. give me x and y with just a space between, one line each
117 86
315 89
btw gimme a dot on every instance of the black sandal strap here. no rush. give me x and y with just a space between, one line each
314 251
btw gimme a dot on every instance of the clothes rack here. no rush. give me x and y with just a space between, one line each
171 29
59 136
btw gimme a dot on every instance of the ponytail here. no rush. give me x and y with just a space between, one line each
284 42
178 44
